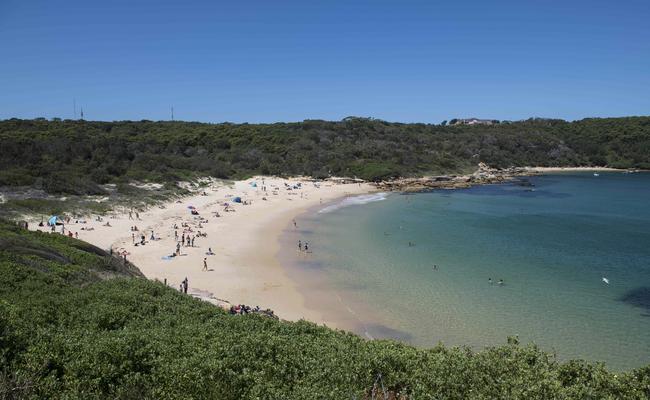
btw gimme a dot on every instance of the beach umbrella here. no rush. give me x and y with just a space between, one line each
237 199
191 207
52 220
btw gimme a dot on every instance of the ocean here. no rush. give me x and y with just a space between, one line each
572 251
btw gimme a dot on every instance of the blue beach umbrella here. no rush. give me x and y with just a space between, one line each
52 220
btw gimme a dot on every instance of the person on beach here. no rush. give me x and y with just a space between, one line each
185 285
294 224
130 215
137 216
205 264
306 247
152 236
192 241
176 235
178 248
210 253
132 238
183 238
299 245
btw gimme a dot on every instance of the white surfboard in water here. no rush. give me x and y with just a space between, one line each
606 280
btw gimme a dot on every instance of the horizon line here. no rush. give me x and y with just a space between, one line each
59 119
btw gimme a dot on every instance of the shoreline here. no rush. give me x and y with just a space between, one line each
317 290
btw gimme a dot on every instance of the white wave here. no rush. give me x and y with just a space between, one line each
356 200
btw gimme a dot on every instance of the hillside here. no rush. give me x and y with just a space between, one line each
75 323
76 157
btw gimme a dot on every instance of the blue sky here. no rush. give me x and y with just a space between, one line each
266 61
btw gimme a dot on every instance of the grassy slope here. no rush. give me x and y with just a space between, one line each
67 332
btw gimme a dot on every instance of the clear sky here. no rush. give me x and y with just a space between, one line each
274 60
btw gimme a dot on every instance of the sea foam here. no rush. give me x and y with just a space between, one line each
355 200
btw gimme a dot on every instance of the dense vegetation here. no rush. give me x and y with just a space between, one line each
68 331
76 157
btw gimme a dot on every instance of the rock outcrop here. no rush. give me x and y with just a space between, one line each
483 175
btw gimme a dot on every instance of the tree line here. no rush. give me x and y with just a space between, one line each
70 156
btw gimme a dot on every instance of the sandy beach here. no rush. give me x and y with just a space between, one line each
570 169
244 268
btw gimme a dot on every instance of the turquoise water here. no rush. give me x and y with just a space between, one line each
551 246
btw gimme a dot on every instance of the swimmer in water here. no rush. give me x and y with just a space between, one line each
501 282
490 281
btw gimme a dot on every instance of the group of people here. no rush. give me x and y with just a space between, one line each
186 241
137 215
66 220
303 247
142 240
184 285
499 282
242 309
